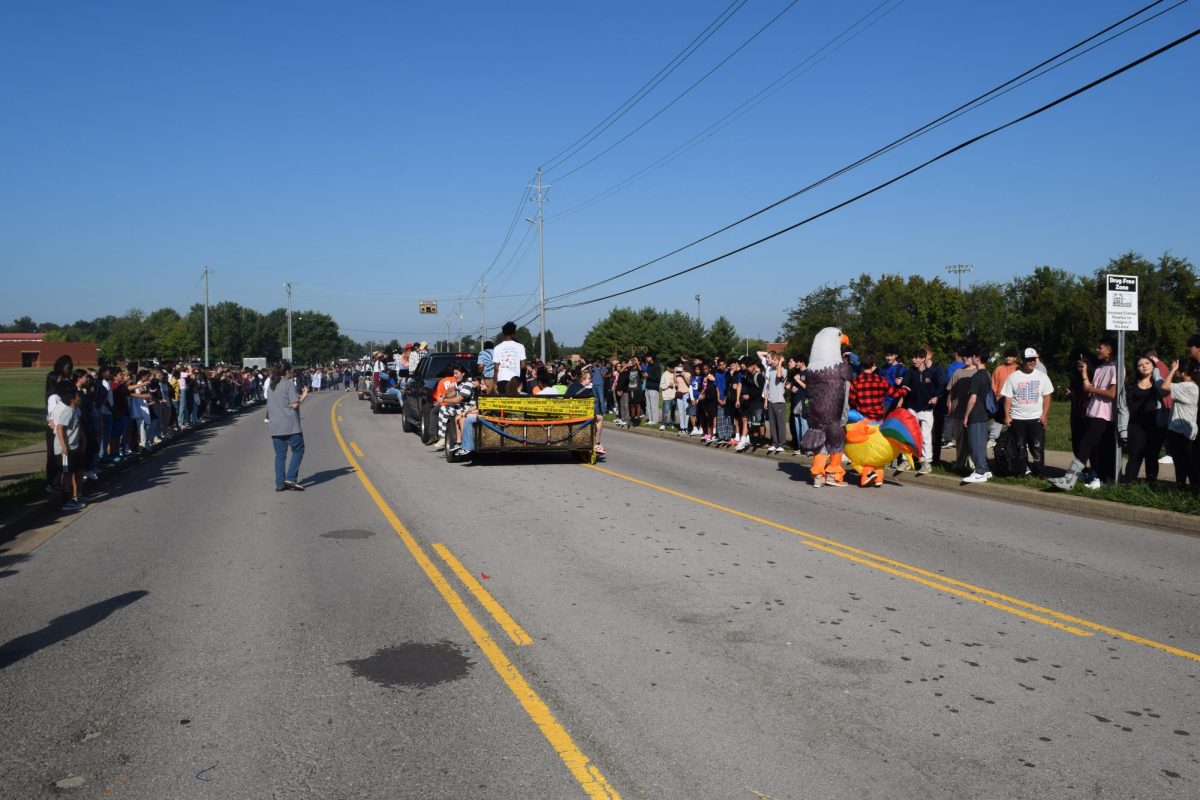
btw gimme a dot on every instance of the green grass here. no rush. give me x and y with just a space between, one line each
1058 427
1164 496
22 407
23 491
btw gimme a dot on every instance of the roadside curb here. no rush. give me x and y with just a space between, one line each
1063 503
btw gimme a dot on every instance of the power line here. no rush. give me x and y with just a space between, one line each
645 89
768 91
916 133
682 94
961 146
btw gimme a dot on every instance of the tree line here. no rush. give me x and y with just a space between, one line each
1052 310
235 332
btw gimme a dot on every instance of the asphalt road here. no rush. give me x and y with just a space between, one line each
699 625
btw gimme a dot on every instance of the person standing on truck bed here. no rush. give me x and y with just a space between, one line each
509 358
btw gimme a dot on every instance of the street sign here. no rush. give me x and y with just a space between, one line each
287 353
427 306
1121 303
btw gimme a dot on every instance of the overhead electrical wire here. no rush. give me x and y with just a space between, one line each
916 133
878 187
762 95
679 96
645 89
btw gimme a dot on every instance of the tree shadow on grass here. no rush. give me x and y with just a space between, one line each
65 627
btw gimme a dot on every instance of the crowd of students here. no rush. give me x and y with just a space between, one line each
993 416
99 417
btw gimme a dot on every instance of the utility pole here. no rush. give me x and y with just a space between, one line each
482 313
206 363
540 198
291 355
460 319
959 269
698 310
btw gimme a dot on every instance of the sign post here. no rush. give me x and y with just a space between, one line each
1120 315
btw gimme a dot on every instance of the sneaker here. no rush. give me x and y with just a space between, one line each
902 465
835 482
818 481
705 438
740 446
662 427
696 432
74 505
1166 460
440 443
1093 484
52 489
947 445
925 468
293 486
977 477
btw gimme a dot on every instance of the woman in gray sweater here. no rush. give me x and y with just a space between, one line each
283 423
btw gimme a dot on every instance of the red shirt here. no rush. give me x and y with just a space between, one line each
868 391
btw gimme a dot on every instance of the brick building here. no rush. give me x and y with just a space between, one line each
32 350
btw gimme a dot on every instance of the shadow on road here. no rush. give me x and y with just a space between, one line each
65 627
324 476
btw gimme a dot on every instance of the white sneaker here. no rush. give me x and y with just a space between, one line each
1166 460
976 477
440 443
696 432
1093 484
662 427
818 481
741 445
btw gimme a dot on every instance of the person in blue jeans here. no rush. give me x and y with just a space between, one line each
283 424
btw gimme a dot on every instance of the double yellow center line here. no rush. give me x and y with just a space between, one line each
1001 602
587 774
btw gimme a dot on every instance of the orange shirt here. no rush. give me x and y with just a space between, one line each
443 385
1000 376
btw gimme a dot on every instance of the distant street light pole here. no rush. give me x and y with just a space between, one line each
288 287
959 269
698 310
205 316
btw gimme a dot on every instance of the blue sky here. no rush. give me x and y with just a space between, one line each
373 153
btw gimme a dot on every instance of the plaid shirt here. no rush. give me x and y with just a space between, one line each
868 391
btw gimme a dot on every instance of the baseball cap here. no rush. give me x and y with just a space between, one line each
1030 354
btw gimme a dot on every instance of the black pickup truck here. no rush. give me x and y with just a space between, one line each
418 412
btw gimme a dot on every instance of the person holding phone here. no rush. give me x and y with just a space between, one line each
283 424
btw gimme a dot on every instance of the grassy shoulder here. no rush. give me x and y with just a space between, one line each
1162 496
23 491
22 412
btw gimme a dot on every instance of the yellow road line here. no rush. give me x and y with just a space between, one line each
357 452
584 771
940 582
502 617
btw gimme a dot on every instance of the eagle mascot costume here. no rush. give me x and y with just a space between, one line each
828 385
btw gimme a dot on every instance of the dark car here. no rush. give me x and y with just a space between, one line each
418 413
382 401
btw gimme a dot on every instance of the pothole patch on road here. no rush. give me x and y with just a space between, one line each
415 664
348 534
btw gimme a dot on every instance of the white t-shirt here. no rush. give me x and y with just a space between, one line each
508 356
1027 392
1183 411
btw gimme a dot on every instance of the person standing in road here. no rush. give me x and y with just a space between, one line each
283 424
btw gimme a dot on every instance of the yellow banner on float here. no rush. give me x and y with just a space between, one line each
559 406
